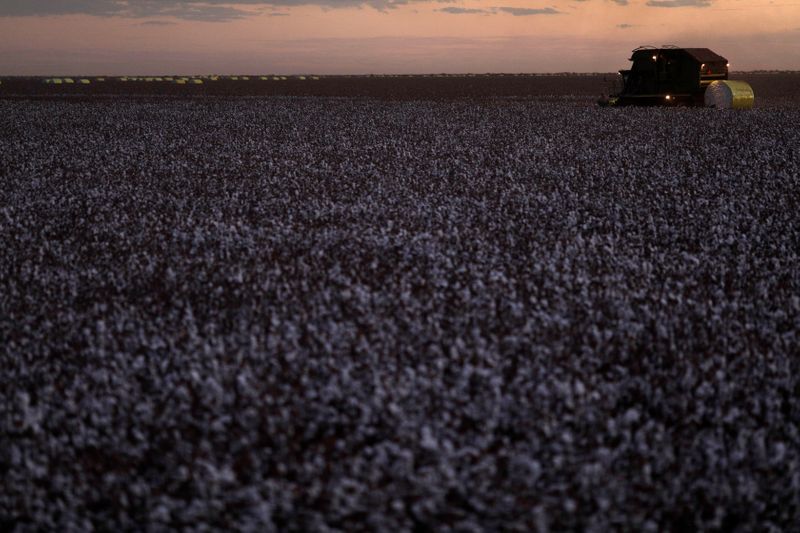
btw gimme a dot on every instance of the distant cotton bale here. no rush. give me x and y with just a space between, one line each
180 82
69 80
729 94
276 78
197 82
84 81
264 78
245 78
314 77
301 77
58 81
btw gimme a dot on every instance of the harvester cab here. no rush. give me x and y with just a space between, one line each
679 76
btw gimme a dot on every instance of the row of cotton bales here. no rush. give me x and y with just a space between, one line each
265 78
183 80
68 81
180 80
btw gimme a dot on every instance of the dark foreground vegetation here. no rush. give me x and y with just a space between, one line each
311 314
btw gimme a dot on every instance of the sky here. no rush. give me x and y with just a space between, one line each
139 37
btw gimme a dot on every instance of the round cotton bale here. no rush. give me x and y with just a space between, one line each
84 81
69 80
729 94
197 82
180 82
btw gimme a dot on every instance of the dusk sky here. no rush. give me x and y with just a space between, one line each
94 37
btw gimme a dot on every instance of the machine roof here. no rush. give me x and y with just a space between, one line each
704 55
701 55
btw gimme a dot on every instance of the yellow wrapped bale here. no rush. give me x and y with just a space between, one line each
729 94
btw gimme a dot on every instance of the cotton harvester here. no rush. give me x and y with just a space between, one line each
671 76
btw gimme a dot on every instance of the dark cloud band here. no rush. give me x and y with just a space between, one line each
225 10
208 10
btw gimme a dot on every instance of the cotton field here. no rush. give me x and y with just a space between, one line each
321 314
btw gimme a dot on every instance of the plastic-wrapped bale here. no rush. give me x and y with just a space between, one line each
729 94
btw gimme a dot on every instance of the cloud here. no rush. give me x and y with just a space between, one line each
197 10
625 26
207 10
620 2
526 11
463 11
157 23
679 3
516 11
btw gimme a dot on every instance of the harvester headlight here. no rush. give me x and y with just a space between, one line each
668 97
727 65
703 66
655 57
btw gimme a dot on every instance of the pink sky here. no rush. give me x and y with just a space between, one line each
113 37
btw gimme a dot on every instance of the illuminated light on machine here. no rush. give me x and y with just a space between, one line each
655 57
668 97
727 65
